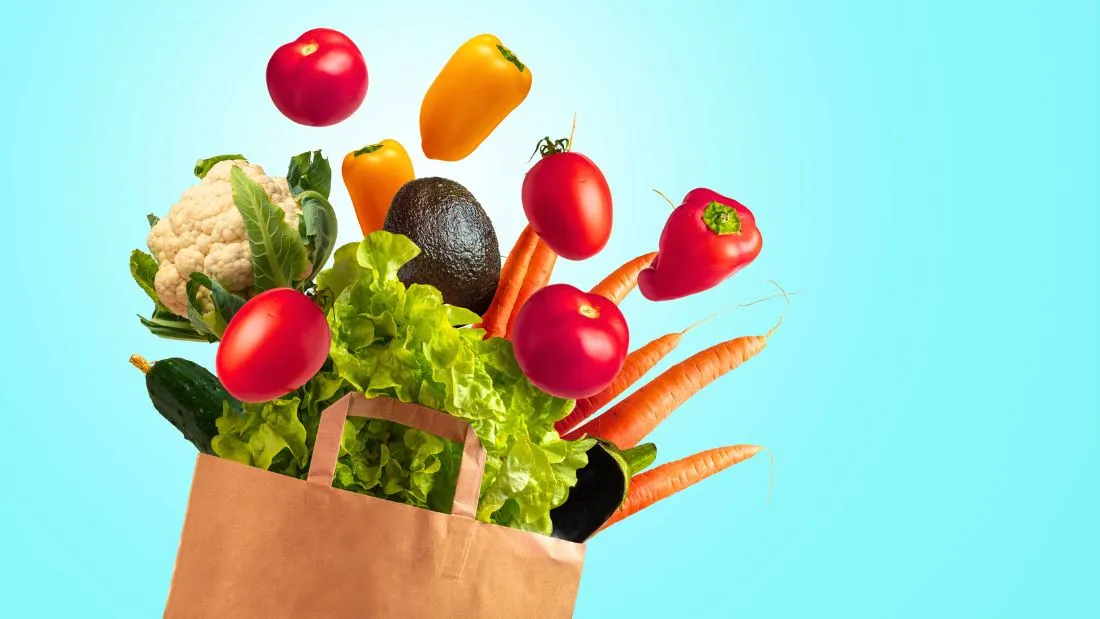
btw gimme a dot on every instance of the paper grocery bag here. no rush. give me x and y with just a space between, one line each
259 545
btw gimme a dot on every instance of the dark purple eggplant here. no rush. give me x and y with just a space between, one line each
600 490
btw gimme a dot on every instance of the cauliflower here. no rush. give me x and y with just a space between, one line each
204 232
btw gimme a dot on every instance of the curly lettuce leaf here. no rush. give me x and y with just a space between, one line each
278 255
402 342
406 343
262 432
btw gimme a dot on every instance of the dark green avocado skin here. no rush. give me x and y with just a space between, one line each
459 254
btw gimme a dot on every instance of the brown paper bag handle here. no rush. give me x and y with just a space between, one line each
326 449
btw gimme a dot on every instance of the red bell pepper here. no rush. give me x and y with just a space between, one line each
708 238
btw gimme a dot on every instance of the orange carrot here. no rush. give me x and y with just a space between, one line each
632 419
538 275
512 274
623 279
666 480
634 368
636 365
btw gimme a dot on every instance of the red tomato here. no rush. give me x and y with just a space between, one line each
568 204
319 79
274 344
569 343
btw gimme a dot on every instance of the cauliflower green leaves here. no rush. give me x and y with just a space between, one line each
404 342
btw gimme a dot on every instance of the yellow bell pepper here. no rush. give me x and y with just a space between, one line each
478 87
373 174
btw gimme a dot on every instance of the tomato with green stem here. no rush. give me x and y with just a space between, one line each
567 201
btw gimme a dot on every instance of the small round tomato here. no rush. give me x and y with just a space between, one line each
568 202
318 79
569 343
274 344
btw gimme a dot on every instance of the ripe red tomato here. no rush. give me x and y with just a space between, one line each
569 343
568 204
318 79
274 344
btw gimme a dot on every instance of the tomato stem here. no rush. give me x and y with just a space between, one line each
547 147
589 311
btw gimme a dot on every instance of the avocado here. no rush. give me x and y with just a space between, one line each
459 254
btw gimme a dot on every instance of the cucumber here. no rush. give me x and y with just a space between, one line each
188 396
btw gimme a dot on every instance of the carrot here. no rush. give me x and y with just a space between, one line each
512 275
666 480
632 419
623 279
636 365
538 275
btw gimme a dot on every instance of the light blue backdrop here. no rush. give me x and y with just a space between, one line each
924 173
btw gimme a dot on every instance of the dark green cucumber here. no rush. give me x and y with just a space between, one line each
188 396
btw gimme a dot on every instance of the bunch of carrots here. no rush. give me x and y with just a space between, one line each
527 269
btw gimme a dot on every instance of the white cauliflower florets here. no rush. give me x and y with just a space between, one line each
204 232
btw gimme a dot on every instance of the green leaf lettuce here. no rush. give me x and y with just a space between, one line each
404 342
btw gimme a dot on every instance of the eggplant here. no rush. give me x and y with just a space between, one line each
600 490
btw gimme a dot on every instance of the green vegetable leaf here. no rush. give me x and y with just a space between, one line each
344 271
389 340
262 432
202 166
144 269
402 342
195 314
309 171
167 325
278 255
153 219
383 253
317 229
225 304
638 458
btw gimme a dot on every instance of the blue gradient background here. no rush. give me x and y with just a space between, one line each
924 173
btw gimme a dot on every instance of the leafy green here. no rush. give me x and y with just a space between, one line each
309 171
344 271
278 255
202 166
144 269
195 315
404 342
162 323
152 219
165 324
225 305
318 228
261 433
